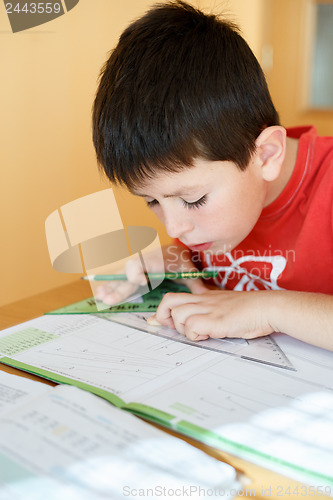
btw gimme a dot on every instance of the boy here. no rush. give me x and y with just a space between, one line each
183 118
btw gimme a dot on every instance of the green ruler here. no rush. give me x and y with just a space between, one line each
148 302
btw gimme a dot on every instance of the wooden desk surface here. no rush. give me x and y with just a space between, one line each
257 482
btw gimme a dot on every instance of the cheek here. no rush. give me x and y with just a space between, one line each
235 216
251 203
212 219
158 212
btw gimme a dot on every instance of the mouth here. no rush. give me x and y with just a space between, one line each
201 247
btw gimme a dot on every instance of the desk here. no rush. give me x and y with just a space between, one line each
262 483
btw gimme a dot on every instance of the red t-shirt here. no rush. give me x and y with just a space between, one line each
291 246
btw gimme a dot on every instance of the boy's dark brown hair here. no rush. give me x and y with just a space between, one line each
179 85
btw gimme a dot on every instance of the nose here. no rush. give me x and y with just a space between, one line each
176 225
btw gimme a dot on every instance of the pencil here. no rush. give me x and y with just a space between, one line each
152 276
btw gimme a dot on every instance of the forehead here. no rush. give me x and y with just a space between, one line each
185 182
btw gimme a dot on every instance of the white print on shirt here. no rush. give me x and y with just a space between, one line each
248 280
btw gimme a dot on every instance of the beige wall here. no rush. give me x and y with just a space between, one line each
47 159
291 36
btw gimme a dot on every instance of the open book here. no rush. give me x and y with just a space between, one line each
64 443
279 418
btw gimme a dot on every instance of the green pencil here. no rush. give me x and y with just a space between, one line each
152 276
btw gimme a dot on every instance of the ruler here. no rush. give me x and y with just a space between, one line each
262 349
148 302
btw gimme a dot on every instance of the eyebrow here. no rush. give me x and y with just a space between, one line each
183 191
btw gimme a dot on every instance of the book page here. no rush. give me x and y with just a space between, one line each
220 399
16 391
73 445
275 418
97 353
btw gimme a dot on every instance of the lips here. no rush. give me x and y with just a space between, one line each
201 247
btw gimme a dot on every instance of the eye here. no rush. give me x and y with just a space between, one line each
151 203
187 204
195 204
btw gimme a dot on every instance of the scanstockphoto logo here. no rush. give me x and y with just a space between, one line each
24 15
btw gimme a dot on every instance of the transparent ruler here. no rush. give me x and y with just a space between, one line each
147 303
262 349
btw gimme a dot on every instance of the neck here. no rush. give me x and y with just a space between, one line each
276 187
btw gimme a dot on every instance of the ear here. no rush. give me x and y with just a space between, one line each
271 150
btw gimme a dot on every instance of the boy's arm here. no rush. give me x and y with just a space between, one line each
219 314
305 316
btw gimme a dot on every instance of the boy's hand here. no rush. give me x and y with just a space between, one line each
114 292
216 314
220 314
176 259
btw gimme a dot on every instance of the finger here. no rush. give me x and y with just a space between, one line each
100 293
152 321
171 300
103 290
199 327
108 287
120 293
200 337
180 314
135 272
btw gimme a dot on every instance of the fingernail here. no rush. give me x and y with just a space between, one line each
152 321
201 337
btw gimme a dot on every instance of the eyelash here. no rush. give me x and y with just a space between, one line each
194 204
